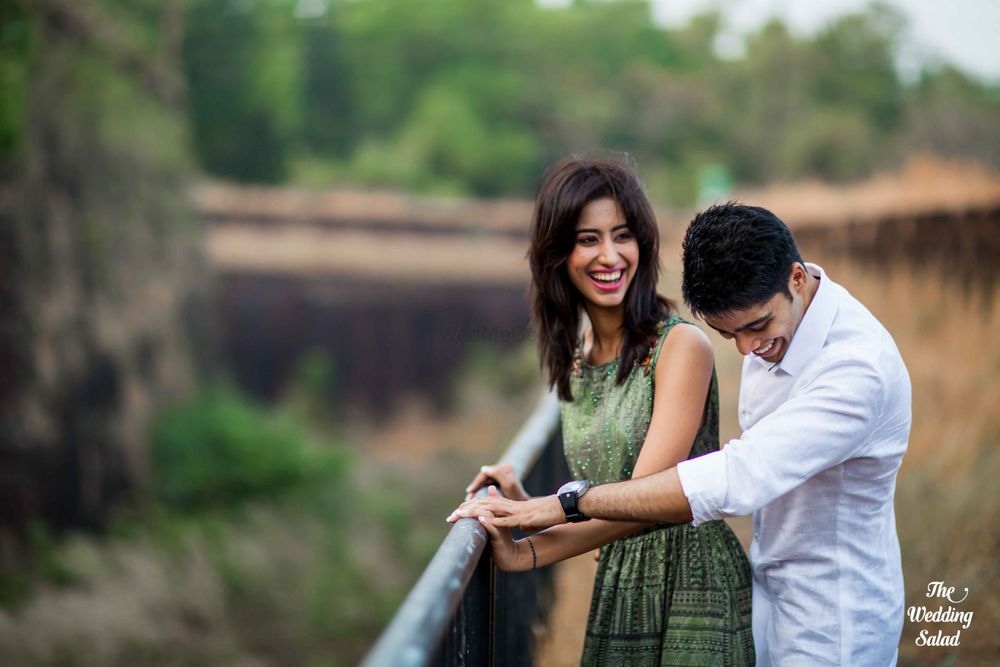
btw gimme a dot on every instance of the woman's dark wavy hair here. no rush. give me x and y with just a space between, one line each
566 188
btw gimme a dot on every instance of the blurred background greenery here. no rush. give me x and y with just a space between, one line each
233 421
475 97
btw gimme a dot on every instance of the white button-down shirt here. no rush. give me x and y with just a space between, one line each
824 432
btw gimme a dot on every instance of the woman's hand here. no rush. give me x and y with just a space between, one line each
506 553
503 476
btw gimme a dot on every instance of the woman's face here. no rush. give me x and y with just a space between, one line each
605 254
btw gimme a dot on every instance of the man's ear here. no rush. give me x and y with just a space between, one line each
798 278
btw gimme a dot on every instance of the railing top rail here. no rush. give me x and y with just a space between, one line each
416 629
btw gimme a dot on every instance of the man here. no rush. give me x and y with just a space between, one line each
825 415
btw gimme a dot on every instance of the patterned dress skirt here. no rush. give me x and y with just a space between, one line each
671 595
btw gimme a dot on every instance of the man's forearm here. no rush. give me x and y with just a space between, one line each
657 497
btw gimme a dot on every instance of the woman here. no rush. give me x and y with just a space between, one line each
638 394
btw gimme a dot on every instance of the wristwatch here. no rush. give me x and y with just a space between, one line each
569 496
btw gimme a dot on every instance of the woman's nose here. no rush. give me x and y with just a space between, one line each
609 253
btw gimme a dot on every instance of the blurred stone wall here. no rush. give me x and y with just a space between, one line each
101 279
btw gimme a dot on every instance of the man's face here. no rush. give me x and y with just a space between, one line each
766 330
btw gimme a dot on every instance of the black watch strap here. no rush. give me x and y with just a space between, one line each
570 501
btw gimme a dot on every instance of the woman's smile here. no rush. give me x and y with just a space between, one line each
608 281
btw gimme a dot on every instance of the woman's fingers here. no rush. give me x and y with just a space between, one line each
478 480
492 530
502 474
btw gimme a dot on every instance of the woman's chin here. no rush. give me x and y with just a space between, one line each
607 301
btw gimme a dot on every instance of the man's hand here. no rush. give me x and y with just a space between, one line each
529 515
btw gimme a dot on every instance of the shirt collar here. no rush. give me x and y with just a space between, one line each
812 331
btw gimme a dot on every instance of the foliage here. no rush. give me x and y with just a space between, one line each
15 40
953 115
477 96
305 572
218 450
242 61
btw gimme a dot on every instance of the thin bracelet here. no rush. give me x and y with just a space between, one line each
534 556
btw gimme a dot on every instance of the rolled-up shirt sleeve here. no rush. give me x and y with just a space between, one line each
822 424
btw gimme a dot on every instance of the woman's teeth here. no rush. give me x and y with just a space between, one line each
607 277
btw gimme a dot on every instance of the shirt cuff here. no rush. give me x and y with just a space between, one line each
704 482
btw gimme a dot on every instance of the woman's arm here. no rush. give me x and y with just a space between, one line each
682 376
553 544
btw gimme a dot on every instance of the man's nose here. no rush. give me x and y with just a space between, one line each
746 344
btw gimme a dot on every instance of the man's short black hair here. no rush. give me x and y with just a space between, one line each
736 257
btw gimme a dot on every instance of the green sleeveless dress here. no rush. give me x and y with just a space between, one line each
666 595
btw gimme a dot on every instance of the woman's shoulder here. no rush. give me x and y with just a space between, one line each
676 328
678 336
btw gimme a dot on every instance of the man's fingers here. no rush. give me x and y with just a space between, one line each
507 522
493 505
496 504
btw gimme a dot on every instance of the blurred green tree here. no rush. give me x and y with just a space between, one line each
475 97
950 114
243 63
15 32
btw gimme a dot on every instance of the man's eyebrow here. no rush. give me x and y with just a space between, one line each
749 325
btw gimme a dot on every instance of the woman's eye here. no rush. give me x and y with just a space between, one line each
586 240
624 236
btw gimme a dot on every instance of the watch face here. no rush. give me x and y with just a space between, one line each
577 486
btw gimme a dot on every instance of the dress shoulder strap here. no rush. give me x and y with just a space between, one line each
662 329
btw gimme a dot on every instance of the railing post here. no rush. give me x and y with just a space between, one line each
469 640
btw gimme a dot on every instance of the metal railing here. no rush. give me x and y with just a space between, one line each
462 610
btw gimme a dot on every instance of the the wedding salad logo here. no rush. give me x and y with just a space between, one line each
951 615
